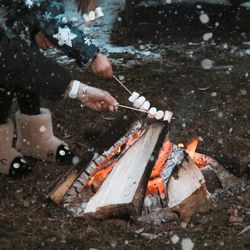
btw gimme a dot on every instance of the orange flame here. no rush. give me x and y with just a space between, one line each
97 179
162 157
191 147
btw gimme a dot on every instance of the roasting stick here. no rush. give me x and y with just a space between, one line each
122 85
131 108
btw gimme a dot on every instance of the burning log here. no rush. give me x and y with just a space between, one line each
177 183
187 192
67 186
123 190
141 172
61 185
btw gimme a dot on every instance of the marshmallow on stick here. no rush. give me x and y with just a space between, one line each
152 112
145 106
133 97
138 103
86 19
92 16
168 116
99 13
159 115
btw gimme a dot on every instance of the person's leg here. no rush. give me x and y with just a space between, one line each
11 162
35 125
6 96
29 102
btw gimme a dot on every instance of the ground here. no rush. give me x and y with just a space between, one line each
209 102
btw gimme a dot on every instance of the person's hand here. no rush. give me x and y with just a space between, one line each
42 41
96 99
101 66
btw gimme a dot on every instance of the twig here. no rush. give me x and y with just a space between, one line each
122 85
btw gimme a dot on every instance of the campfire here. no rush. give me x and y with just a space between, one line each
142 171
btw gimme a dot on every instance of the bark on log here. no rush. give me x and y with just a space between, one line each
187 192
62 184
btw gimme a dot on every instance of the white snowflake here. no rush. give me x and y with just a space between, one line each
87 41
65 36
29 3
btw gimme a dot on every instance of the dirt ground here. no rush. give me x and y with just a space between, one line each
212 104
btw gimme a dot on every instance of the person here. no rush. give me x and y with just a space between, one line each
24 71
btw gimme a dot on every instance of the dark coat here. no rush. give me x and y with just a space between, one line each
24 67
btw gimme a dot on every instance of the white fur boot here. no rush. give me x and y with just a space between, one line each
11 161
35 136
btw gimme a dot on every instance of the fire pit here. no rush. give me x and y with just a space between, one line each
141 172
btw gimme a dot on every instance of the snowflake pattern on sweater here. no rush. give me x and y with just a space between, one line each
49 17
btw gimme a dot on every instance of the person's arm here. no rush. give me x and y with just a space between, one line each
71 40
31 70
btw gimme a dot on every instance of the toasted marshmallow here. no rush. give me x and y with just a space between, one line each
138 103
145 106
133 97
152 112
159 115
168 116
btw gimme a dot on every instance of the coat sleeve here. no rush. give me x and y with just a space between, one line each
25 67
50 16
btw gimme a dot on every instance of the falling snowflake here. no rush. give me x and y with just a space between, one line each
25 37
87 41
29 3
65 36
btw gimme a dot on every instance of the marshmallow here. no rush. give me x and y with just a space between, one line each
86 19
159 115
145 106
138 103
168 116
92 16
152 112
99 13
133 97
